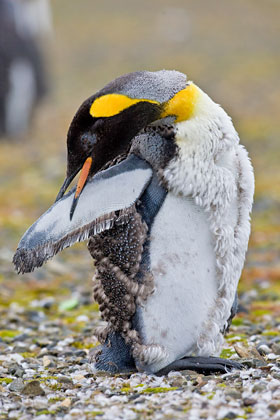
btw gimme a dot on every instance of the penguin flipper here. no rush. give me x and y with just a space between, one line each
205 365
233 312
106 198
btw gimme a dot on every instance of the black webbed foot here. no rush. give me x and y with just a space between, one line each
205 365
114 356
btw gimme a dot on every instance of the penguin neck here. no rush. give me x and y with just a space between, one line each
201 141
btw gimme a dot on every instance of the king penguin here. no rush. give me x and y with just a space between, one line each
164 199
23 78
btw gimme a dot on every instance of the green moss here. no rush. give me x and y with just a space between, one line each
41 412
237 321
47 378
94 413
260 312
226 353
271 333
221 385
158 390
248 410
7 335
28 354
126 389
5 380
82 310
234 335
55 399
55 387
81 346
139 386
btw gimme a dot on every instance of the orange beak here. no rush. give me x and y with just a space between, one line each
81 183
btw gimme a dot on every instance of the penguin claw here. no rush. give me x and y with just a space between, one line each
205 365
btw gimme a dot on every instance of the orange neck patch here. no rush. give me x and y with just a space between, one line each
183 104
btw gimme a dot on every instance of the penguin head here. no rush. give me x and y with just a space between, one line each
106 122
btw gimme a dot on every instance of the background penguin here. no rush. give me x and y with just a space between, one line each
23 80
164 195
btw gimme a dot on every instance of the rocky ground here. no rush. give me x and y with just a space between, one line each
45 372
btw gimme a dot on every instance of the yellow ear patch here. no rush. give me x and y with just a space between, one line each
112 104
182 105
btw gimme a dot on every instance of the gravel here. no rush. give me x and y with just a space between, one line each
45 373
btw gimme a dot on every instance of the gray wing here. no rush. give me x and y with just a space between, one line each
107 197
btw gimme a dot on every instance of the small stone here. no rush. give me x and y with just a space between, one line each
233 393
17 385
19 373
276 348
273 408
66 403
256 375
254 363
272 356
230 376
177 381
12 368
35 316
249 401
80 353
263 350
242 351
40 403
33 388
66 383
21 349
250 352
21 337
48 362
64 380
230 415
259 387
43 342
79 377
82 318
276 375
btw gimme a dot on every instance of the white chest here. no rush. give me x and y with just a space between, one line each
184 270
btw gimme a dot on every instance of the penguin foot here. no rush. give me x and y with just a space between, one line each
114 356
205 365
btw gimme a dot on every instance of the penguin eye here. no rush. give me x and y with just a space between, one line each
87 142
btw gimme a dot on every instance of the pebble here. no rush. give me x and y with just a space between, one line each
66 403
17 385
233 393
276 348
263 349
48 362
249 401
33 388
259 387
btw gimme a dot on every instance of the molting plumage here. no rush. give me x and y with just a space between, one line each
164 198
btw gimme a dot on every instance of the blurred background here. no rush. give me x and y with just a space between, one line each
230 49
